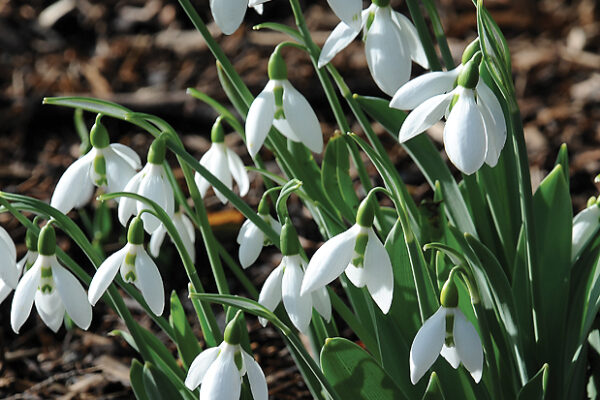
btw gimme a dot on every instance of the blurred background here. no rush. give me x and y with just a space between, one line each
144 54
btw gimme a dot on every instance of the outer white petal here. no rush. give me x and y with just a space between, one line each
228 14
169 206
330 260
75 187
156 240
128 154
422 88
411 38
468 345
495 125
149 282
337 41
275 225
256 377
494 138
206 161
379 273
24 296
424 116
152 187
270 294
322 302
451 355
260 119
220 169
427 345
51 309
72 295
302 118
200 367
189 227
222 381
4 291
585 224
10 245
488 99
387 57
348 11
105 275
118 171
298 307
464 134
186 231
8 265
245 226
251 244
284 127
127 206
238 171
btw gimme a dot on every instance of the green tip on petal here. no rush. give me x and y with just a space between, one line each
99 135
233 330
47 241
366 213
217 134
469 76
470 51
449 295
277 68
158 150
290 244
135 234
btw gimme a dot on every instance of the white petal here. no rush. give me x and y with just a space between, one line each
275 225
468 345
270 294
251 244
464 134
228 14
200 367
245 226
494 138
149 282
298 307
302 118
238 171
8 265
10 245
118 171
356 275
51 309
330 260
260 119
256 377
424 116
72 295
128 154
222 381
206 162
411 38
450 354
153 188
189 227
105 275
75 187
379 273
427 345
348 11
284 127
219 167
24 296
156 240
322 302
495 125
387 57
337 41
4 291
127 206
585 224
422 88
186 232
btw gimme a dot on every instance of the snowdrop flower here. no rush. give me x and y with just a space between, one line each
135 266
458 344
585 225
360 254
229 14
251 239
53 288
9 275
475 129
391 41
224 164
150 182
186 230
220 369
282 106
108 166
284 284
7 246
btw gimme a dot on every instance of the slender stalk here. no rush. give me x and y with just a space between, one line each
440 36
423 31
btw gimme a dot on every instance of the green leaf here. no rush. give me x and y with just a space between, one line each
434 389
157 384
563 160
293 33
354 373
334 172
186 342
136 378
232 94
535 389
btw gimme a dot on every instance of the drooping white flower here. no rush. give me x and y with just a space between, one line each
229 14
186 230
282 106
24 264
475 130
135 266
460 344
9 274
53 288
108 166
391 42
360 254
585 224
220 370
224 164
251 239
151 182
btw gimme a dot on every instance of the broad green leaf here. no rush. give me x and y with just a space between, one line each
136 379
434 389
563 160
157 384
354 373
187 344
334 167
535 389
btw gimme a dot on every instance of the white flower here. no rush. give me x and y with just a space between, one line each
220 371
9 273
251 239
475 129
229 14
349 11
54 290
224 164
359 252
186 230
459 345
391 41
284 283
585 225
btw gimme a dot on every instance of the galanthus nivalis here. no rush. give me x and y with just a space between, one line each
284 284
108 166
220 369
585 225
251 239
224 164
282 106
475 129
229 14
151 182
8 250
53 288
135 266
186 230
449 333
391 42
360 254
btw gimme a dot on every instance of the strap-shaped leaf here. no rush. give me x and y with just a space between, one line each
335 176
535 389
136 378
187 344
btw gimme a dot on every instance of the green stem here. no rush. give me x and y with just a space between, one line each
423 31
440 36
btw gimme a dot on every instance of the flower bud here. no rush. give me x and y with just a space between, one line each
47 241
290 244
157 152
277 69
470 51
99 135
366 213
217 134
263 207
135 234
233 330
449 295
469 76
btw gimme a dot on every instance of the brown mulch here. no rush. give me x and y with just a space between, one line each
144 54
